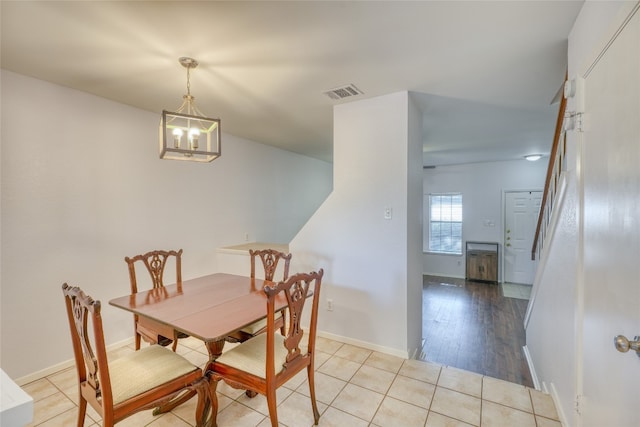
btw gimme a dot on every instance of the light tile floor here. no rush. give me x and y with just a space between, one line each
514 290
354 387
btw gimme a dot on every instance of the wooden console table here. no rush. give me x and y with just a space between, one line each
482 261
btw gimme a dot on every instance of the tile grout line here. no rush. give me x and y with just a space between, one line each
385 394
533 409
434 395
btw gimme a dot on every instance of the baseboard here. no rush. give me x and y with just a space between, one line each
532 369
34 376
62 365
542 386
453 276
556 401
367 345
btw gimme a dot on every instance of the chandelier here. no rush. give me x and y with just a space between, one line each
187 134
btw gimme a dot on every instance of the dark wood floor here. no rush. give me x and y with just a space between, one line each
470 325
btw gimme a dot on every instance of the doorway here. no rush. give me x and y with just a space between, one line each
521 217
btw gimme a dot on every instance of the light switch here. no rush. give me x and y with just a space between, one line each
388 213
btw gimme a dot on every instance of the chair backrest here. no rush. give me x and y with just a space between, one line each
155 262
270 259
91 358
296 289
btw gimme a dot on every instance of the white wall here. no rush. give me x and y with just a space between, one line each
482 186
370 275
414 227
557 312
550 326
82 187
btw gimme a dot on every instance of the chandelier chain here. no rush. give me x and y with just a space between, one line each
189 81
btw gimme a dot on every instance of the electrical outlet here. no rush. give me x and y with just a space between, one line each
246 237
329 305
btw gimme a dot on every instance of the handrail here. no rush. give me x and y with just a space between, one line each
550 174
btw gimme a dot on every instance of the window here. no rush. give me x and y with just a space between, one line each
445 223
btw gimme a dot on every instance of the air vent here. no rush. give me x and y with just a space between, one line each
343 92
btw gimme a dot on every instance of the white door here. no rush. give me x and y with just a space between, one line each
611 265
521 218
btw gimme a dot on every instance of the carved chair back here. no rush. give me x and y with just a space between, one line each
155 263
298 290
270 259
93 371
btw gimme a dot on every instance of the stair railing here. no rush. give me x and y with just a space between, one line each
556 161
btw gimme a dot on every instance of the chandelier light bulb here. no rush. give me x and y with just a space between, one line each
177 136
193 138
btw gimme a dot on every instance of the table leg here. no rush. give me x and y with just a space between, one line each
214 348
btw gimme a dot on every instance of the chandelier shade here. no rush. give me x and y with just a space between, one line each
187 134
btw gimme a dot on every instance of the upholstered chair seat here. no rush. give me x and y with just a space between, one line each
140 371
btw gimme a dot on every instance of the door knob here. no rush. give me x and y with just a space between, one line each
623 344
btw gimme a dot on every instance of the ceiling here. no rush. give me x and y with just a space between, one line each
483 73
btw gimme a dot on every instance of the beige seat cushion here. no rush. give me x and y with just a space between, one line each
255 326
145 369
251 355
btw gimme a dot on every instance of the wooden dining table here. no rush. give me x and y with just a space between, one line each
208 308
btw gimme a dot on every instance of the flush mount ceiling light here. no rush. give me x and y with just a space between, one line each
533 157
184 132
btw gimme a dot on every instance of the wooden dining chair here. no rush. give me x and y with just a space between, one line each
267 361
270 260
155 263
153 377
